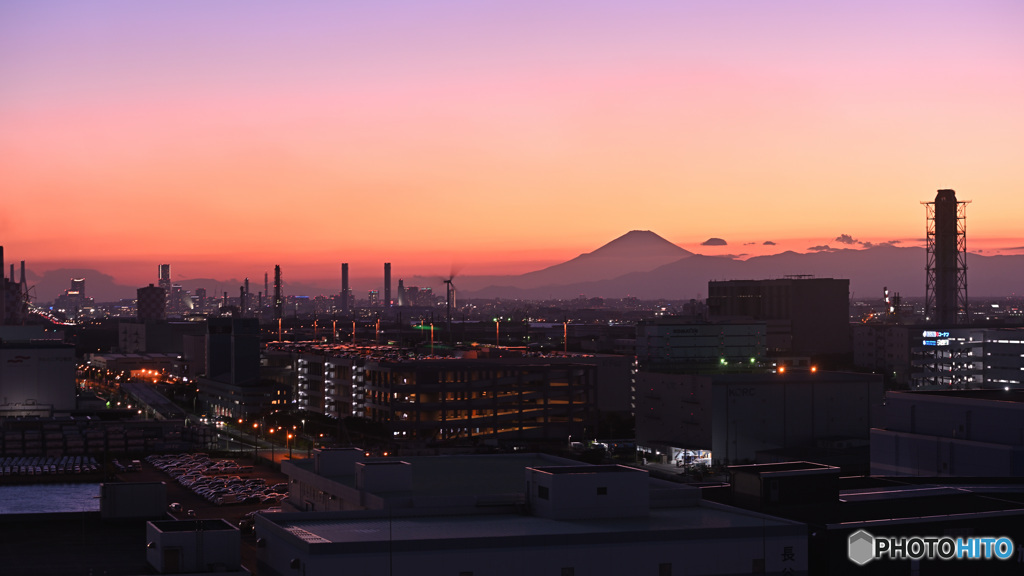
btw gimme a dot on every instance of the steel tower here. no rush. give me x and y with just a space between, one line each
946 265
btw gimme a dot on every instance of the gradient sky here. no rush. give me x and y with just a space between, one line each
496 137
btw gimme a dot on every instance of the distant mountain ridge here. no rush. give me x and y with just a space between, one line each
635 251
870 271
642 264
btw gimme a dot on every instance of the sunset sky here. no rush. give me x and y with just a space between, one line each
496 137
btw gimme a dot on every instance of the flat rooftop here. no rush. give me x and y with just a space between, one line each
335 532
880 498
1012 395
784 469
794 375
192 525
903 498
458 474
596 469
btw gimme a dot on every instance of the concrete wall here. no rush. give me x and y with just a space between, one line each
385 476
783 412
337 462
38 374
122 500
701 555
904 454
193 546
566 492
674 409
934 434
955 416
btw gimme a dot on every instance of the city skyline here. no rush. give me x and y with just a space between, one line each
495 139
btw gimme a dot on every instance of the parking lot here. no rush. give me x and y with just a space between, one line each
201 508
263 475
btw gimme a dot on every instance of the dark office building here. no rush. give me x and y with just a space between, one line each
804 316
430 401
151 303
163 275
232 385
233 350
436 400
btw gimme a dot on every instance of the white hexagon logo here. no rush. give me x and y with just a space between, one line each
861 547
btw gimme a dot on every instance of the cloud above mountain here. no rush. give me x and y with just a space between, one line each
768 243
850 240
821 248
714 242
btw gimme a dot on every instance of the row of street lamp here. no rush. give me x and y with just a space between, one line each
255 441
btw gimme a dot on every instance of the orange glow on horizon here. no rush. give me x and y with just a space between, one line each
435 138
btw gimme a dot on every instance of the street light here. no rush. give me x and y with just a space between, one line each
288 441
255 442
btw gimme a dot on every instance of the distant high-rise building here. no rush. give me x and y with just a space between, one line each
71 303
176 301
201 298
374 297
151 303
387 284
164 277
401 294
425 296
946 264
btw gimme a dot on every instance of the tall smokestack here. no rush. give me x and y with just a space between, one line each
946 265
23 300
345 292
245 304
945 256
278 303
241 301
387 284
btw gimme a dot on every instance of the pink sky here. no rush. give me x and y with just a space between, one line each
496 137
